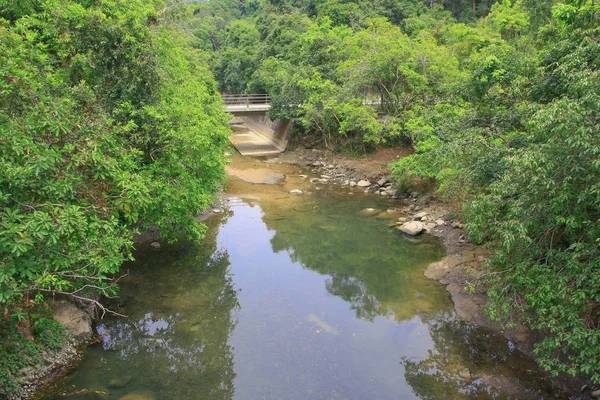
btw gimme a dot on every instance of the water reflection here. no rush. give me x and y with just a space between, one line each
468 362
285 300
177 331
368 264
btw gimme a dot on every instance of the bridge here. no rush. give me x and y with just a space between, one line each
238 103
254 133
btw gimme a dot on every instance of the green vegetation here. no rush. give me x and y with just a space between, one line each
498 99
20 350
110 123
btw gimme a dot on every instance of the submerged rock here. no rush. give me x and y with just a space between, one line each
119 383
324 326
370 211
296 192
139 395
413 228
257 175
363 183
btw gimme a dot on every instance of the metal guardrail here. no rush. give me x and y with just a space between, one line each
245 99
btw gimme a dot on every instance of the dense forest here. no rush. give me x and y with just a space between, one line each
111 122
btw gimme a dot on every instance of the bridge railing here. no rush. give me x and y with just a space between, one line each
245 99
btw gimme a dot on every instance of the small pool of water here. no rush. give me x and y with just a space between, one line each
296 298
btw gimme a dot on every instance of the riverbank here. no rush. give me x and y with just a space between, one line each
459 271
310 171
463 261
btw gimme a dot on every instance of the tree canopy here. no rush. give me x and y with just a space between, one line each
110 122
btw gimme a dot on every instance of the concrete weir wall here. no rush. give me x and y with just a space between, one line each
275 131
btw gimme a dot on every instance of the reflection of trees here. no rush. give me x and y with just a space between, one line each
371 266
179 322
472 363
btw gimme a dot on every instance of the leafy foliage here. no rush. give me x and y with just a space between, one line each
543 214
109 122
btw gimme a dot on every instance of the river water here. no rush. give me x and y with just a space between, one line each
295 297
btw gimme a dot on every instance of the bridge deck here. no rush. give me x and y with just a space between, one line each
238 108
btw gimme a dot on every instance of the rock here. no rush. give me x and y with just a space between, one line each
439 222
119 383
363 183
420 215
413 228
402 219
584 388
370 211
316 164
303 176
352 184
457 225
296 192
314 180
411 207
331 166
595 394
346 182
325 177
431 226
139 395
464 373
383 181
76 322
155 246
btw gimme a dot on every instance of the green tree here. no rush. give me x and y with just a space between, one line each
109 122
542 217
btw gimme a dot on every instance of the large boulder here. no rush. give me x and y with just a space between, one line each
413 228
77 322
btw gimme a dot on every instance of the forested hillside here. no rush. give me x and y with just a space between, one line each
110 122
498 99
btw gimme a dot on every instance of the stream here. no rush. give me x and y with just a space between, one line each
295 297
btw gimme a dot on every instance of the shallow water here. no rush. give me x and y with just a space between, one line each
296 298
